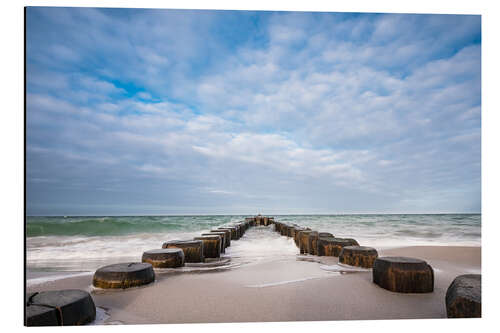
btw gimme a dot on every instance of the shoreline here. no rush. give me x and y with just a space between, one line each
38 274
287 289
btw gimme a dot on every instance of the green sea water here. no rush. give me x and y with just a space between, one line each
87 242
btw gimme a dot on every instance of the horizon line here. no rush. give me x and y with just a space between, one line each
302 214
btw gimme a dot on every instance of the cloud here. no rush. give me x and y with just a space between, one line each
311 112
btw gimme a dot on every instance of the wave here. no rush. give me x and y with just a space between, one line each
425 227
419 234
108 226
86 243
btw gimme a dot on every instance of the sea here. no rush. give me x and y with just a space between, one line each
81 244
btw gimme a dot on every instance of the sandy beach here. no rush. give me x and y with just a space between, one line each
300 288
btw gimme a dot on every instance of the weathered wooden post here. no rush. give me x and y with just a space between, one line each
222 235
463 297
59 308
312 243
164 258
211 245
360 256
243 227
234 232
193 249
403 275
296 233
125 275
250 220
284 229
227 239
304 240
331 246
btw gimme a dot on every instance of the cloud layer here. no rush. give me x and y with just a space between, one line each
172 112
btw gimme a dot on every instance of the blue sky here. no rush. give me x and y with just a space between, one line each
237 112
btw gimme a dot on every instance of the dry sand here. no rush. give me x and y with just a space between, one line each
283 290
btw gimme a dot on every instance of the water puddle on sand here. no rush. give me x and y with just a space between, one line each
209 265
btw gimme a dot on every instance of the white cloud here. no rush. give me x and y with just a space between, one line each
94 85
144 95
352 111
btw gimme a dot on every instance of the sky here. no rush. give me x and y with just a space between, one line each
132 112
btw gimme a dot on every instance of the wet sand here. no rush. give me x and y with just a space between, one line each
282 290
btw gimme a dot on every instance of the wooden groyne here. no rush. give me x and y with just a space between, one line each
397 274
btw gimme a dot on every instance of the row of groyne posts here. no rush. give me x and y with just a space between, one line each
397 274
76 307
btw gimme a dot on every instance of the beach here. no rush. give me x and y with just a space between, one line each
266 279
